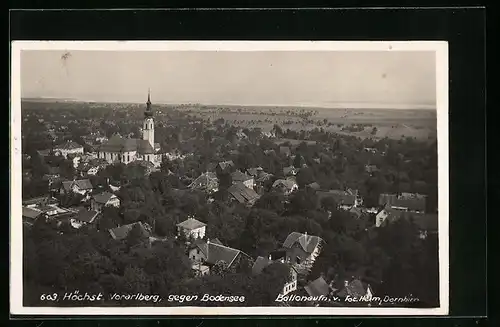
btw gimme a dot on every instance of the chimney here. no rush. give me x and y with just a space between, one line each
270 258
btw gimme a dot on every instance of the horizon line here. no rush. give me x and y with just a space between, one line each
333 105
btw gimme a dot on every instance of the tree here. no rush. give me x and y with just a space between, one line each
305 176
219 268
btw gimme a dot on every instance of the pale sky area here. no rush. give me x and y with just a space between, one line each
385 79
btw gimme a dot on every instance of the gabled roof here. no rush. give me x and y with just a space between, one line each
215 251
341 197
31 213
121 232
191 224
307 242
82 184
357 212
119 144
70 145
259 264
206 181
287 183
44 153
263 176
254 171
87 216
242 193
103 197
317 287
203 246
413 202
238 176
355 289
40 200
226 164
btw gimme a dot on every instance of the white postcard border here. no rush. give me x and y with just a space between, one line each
16 243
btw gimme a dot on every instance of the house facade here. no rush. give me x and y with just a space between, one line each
302 250
192 228
80 186
287 186
291 283
208 254
69 147
105 199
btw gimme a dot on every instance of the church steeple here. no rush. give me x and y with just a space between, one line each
148 112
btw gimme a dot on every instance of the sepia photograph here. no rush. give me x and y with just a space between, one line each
241 178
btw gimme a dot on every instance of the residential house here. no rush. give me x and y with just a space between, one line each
290 171
75 159
52 175
344 199
30 215
243 194
239 177
104 199
412 202
288 186
38 201
225 166
356 212
44 153
210 253
355 289
255 171
121 232
81 186
290 285
207 182
302 250
319 288
381 216
69 147
84 217
55 213
191 228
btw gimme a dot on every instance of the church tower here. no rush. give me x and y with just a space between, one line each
148 128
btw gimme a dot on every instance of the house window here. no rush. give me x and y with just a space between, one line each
297 260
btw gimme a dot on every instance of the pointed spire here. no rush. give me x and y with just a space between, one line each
149 96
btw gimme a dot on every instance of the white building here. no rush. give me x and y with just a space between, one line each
192 228
126 150
69 147
105 199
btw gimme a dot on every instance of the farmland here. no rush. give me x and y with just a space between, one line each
391 123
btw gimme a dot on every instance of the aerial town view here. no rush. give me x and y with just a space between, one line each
243 179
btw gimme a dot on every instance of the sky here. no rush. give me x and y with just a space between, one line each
386 79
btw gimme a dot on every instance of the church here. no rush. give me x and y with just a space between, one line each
127 150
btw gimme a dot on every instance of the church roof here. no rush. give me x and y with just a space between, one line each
120 144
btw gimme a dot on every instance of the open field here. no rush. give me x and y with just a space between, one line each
392 123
